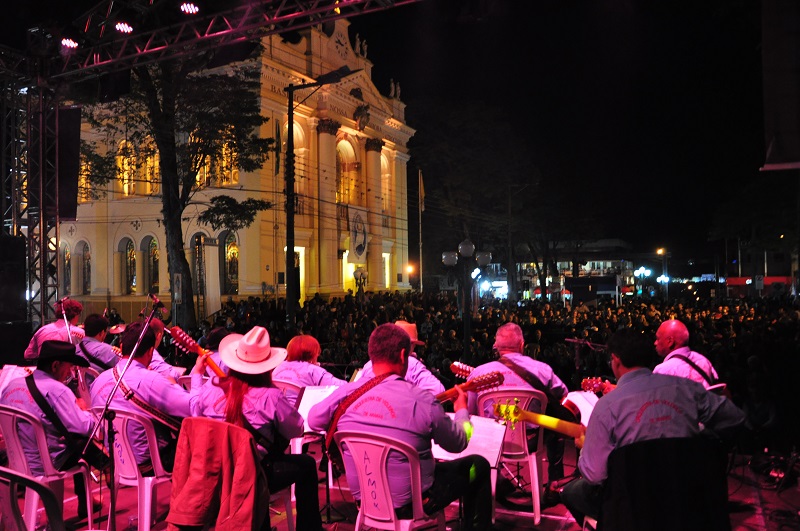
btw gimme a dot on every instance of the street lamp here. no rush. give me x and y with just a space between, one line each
292 291
360 276
466 250
642 273
664 278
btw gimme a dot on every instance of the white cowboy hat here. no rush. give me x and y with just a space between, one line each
250 353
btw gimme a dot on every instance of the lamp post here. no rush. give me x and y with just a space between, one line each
466 250
664 278
642 273
292 291
360 276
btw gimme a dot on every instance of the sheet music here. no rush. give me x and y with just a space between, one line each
585 402
313 395
486 440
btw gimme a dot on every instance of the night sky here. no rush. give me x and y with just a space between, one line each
652 108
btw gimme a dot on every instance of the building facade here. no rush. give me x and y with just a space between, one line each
350 145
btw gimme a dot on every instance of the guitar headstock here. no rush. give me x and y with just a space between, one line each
596 385
508 412
461 370
184 341
486 381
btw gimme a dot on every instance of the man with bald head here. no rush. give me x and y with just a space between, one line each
672 344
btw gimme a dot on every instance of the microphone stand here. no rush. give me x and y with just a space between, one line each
108 415
66 321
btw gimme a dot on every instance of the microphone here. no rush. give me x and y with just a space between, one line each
156 303
63 299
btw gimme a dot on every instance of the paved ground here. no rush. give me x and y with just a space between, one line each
755 504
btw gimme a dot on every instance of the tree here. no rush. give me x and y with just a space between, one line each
194 121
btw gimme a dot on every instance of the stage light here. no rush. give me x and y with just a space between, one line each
123 27
66 42
189 8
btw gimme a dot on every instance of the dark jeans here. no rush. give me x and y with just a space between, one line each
301 469
468 478
582 499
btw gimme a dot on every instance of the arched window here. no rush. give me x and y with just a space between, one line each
148 171
222 171
87 270
153 265
230 285
347 174
130 268
66 284
126 167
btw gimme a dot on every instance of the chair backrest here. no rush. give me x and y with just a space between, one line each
515 443
185 381
371 454
85 377
126 424
292 391
20 430
667 484
12 483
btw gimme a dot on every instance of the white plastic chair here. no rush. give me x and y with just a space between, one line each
84 383
126 471
290 389
10 420
185 381
11 482
373 451
515 443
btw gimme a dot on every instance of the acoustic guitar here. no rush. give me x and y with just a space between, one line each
185 342
481 383
512 413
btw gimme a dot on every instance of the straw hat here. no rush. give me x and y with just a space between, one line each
411 330
250 353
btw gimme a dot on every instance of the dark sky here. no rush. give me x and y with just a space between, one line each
651 108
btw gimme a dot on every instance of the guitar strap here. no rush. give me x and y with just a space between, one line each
47 409
706 377
167 420
346 403
97 361
554 407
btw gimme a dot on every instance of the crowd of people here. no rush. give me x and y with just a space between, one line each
409 340
752 343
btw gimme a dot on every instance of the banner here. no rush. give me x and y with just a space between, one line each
358 234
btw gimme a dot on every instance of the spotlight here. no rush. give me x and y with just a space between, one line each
123 27
189 8
66 42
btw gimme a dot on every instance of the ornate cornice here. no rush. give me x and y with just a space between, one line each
374 144
326 125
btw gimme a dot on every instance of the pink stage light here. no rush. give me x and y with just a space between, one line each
189 8
123 27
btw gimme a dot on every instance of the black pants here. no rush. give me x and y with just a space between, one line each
582 499
468 478
301 469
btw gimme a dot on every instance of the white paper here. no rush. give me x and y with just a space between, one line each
486 440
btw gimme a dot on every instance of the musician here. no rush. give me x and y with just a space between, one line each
247 398
215 336
395 407
100 355
510 344
158 363
54 366
68 312
145 391
302 366
672 344
417 372
643 406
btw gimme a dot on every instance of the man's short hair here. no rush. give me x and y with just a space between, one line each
131 335
508 337
94 324
386 342
633 348
157 325
69 307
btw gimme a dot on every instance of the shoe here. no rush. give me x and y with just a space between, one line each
551 497
97 504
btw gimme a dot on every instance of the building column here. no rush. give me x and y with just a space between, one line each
141 256
117 275
375 278
76 275
329 277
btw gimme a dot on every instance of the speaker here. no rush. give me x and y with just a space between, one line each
16 336
12 278
69 160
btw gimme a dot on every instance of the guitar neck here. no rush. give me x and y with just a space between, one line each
570 429
451 393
